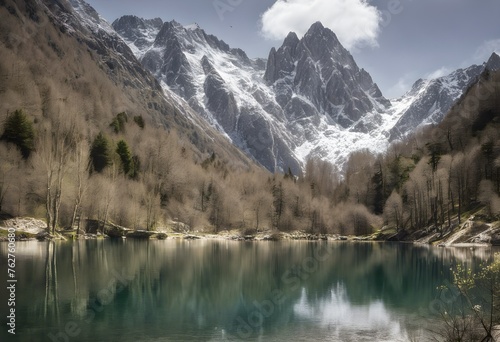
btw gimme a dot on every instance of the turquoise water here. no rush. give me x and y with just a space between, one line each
228 291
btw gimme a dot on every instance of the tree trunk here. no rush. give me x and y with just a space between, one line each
257 217
73 215
459 201
48 201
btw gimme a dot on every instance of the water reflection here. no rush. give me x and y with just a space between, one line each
221 290
340 320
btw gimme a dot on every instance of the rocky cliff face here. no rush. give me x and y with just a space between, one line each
319 72
141 33
493 64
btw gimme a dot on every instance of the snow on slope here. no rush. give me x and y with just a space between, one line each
429 100
91 18
150 34
425 104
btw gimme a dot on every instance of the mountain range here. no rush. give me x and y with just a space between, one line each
308 99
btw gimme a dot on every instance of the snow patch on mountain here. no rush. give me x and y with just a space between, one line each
91 19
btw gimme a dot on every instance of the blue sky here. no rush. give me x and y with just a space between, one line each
397 41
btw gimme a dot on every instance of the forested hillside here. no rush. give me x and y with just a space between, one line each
86 134
441 172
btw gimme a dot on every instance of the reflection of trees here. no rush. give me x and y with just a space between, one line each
51 298
176 285
403 275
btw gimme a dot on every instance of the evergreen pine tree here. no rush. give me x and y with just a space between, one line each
434 154
19 131
100 155
136 167
139 120
125 157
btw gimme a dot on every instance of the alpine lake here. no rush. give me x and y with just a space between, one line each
217 290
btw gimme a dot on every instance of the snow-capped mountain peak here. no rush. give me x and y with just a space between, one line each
430 99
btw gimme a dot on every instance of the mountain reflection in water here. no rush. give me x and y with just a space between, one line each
227 291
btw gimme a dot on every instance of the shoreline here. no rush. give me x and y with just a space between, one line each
31 229
22 236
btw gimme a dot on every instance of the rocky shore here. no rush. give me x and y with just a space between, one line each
33 229
478 230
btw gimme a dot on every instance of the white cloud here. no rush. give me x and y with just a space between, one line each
439 73
402 86
355 22
484 52
405 83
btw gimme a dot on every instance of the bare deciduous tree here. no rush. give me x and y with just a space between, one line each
54 149
393 210
10 165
